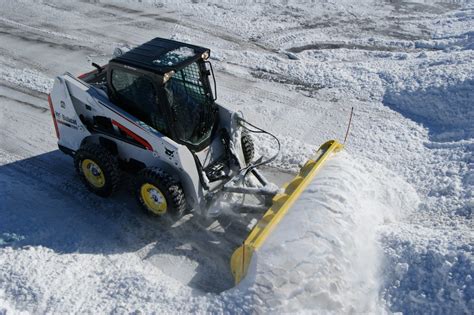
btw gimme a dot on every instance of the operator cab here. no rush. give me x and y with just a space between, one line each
166 84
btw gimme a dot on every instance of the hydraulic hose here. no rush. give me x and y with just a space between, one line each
256 129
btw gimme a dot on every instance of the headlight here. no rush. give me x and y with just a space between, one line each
167 76
205 55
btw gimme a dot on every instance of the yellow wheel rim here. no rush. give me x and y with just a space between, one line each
93 173
154 199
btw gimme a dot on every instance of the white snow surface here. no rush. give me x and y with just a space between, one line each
308 265
385 227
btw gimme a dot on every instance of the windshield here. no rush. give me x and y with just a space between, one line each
192 104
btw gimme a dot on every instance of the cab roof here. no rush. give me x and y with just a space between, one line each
161 55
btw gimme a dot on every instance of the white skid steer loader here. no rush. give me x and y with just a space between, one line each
152 111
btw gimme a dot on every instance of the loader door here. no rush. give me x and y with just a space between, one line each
136 93
192 106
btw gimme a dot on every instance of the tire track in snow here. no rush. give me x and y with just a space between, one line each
30 29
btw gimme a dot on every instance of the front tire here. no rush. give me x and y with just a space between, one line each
159 194
98 169
248 147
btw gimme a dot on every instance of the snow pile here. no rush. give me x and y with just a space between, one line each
424 279
438 94
293 153
457 42
175 56
324 256
6 308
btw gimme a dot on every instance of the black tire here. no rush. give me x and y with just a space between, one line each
247 147
168 186
108 165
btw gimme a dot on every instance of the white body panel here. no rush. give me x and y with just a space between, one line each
70 128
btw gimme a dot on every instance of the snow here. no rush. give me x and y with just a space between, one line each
385 227
175 56
309 265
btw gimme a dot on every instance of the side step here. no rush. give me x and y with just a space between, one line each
281 203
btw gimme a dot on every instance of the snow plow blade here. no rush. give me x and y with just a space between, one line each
281 203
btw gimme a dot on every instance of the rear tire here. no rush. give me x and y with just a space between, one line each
248 147
159 194
98 169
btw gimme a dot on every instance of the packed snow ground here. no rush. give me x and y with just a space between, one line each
387 226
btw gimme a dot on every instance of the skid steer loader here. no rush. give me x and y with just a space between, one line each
151 111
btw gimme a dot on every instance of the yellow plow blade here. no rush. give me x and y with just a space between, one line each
242 256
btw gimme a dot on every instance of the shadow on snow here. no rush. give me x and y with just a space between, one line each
447 111
43 203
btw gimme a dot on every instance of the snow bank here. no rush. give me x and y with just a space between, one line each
438 95
421 278
324 257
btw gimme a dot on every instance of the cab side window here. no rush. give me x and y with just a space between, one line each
138 96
